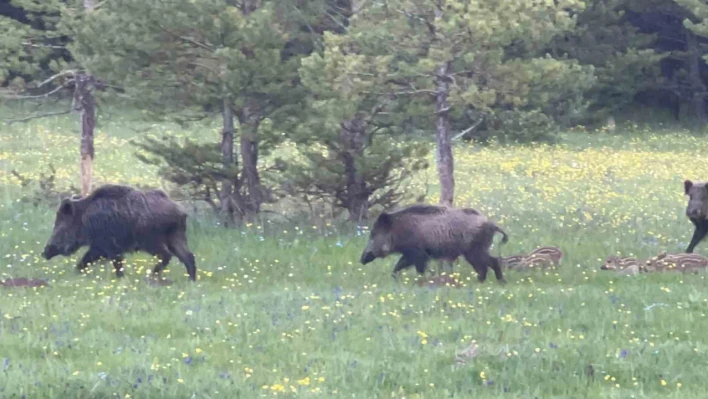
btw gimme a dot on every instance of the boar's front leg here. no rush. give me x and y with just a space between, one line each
410 257
92 255
118 263
403 263
698 234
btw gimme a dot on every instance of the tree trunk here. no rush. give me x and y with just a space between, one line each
250 178
227 158
694 73
442 136
356 199
85 104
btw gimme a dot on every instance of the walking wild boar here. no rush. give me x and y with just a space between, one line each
116 219
697 210
423 232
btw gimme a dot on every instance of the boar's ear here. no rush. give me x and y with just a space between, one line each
384 221
66 208
687 186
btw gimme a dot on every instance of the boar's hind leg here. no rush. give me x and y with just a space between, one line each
177 243
481 262
165 257
496 266
478 265
698 234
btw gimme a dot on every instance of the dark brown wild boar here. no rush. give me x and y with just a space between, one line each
423 232
696 210
116 219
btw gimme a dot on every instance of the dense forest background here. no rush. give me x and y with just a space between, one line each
364 89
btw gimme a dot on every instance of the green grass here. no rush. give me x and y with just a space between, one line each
287 311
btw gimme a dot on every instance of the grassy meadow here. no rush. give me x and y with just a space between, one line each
287 310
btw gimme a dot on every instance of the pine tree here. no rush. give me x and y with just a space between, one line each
624 60
32 51
696 23
195 57
459 56
678 38
350 136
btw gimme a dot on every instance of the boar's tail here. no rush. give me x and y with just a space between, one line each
505 237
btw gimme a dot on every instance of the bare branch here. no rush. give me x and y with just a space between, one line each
11 121
338 22
52 78
356 8
43 46
188 39
45 95
400 93
469 129
444 110
97 6
200 65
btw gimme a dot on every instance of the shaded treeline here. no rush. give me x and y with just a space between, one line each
356 85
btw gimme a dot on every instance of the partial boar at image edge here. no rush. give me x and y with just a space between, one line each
423 232
696 210
117 219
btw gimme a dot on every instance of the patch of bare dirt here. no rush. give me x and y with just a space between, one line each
443 280
23 282
158 282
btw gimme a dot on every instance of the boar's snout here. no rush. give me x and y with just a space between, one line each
367 256
50 251
693 212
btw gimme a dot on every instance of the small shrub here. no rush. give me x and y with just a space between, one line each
517 126
44 191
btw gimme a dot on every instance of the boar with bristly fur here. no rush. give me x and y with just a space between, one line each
423 232
696 210
117 219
